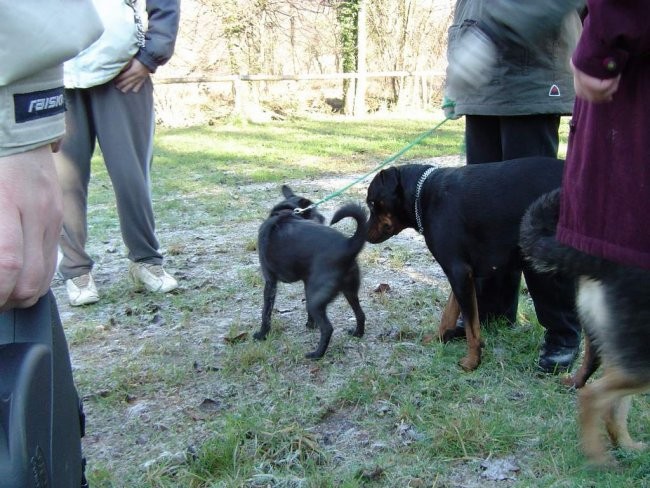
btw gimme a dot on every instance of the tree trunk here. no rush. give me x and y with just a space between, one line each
347 15
360 93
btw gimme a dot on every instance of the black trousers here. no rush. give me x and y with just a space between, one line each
498 138
40 414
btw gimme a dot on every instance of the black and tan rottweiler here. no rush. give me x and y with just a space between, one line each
614 308
470 219
298 247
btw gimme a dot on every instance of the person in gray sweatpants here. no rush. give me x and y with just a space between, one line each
109 97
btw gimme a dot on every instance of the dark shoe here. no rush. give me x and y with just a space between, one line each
557 359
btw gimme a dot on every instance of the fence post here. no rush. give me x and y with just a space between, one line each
238 94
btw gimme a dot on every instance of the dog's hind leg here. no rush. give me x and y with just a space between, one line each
602 401
310 320
462 285
473 334
449 318
317 301
590 363
616 423
270 290
351 286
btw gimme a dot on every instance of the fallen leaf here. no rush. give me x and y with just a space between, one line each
382 288
236 338
372 474
428 338
499 469
210 405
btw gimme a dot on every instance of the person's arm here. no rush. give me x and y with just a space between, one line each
594 89
525 21
32 123
159 42
505 22
160 38
614 31
30 224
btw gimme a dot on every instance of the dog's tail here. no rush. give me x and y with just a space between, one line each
539 245
358 239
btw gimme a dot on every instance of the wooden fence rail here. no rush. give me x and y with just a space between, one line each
416 87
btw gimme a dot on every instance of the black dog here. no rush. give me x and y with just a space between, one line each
296 246
614 307
470 219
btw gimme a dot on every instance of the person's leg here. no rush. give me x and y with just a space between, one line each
497 295
554 296
530 135
125 127
73 169
483 139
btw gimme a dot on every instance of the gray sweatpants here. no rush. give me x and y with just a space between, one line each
123 125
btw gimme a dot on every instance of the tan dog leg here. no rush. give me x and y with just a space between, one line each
603 401
473 334
589 365
449 317
616 423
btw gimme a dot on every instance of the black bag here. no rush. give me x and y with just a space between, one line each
41 419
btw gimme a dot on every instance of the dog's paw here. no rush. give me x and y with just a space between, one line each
573 382
355 332
469 363
454 334
310 324
601 461
260 336
633 445
314 355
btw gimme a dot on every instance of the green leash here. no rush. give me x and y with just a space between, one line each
395 156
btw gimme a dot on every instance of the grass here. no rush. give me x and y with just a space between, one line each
399 413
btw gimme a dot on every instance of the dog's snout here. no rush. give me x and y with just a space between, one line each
378 230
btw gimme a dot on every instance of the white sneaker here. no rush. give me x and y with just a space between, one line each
82 290
152 276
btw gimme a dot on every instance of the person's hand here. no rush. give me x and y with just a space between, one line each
592 89
471 63
132 77
30 225
449 108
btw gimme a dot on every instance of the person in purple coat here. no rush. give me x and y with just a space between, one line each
606 188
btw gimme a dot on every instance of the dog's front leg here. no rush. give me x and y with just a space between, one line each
351 286
270 290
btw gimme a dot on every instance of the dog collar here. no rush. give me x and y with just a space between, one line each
418 189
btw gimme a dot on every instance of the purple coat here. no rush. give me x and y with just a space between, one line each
605 205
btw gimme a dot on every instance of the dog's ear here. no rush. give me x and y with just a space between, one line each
389 179
287 192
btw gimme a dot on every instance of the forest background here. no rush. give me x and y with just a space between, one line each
265 59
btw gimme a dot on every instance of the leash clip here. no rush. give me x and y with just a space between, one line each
299 210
